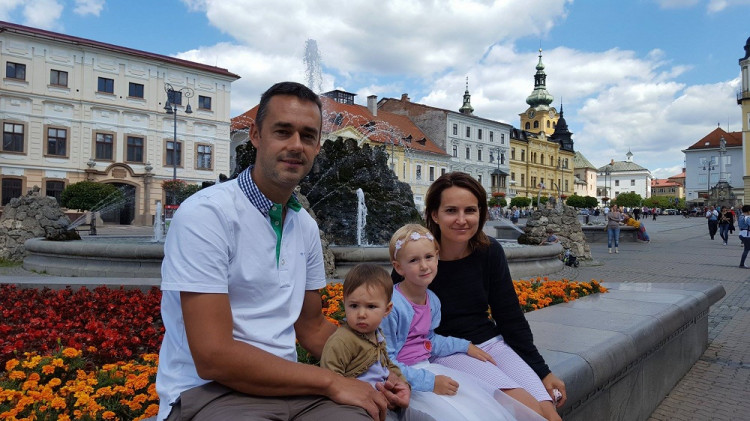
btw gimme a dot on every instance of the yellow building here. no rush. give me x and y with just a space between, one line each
541 152
743 99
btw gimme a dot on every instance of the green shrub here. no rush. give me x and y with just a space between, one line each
86 195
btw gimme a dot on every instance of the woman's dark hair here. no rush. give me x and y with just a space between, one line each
286 88
745 208
434 198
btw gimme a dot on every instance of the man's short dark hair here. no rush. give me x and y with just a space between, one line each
286 88
745 208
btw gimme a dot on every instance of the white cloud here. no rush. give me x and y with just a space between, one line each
89 7
43 14
6 7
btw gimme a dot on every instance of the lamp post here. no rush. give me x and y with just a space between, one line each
171 108
708 166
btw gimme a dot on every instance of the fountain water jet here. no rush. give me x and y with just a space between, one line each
361 218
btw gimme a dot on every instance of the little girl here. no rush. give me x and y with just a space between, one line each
411 340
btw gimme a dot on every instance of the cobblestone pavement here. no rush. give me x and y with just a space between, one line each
718 385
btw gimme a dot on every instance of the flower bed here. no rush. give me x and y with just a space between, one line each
92 354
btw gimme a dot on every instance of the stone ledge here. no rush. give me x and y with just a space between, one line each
622 352
597 234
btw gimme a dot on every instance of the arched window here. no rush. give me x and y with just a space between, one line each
548 124
536 124
528 126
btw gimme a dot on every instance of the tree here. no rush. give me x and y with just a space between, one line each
628 200
497 201
542 200
520 202
576 201
590 202
88 195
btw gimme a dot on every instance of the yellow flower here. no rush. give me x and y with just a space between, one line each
71 352
58 362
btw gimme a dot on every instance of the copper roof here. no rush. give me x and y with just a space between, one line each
711 140
67 39
384 128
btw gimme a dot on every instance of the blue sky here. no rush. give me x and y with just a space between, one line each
650 76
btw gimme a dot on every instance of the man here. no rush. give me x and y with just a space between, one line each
713 221
241 271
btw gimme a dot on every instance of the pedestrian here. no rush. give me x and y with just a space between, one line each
725 221
614 217
236 296
515 215
713 221
637 213
653 214
639 226
743 223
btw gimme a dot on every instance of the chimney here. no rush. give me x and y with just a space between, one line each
404 97
612 161
372 104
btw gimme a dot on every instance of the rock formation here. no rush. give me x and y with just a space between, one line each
565 225
31 216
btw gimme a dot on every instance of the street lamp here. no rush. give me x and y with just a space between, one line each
171 108
708 166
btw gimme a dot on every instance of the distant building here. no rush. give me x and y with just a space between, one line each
413 156
585 176
475 145
667 188
623 177
743 99
541 152
74 109
706 165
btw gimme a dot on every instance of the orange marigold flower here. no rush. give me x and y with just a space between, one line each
71 352
108 415
11 364
17 375
48 369
58 403
58 362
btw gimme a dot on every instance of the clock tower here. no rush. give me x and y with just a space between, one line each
539 118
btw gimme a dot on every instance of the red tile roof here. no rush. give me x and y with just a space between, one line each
664 183
54 36
711 140
383 128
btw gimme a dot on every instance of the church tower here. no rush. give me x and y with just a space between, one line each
467 108
539 118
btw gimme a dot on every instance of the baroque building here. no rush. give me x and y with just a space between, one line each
541 152
585 175
475 145
75 109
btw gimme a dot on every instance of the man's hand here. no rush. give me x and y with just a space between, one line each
355 392
478 353
551 382
396 391
444 385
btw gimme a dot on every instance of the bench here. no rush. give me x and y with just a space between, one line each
621 353
597 233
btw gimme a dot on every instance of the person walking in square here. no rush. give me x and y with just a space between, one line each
614 218
713 221
725 222
743 223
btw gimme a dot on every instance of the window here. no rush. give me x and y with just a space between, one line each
479 178
541 181
468 131
523 180
13 137
632 182
492 136
15 71
56 141
54 188
455 129
536 124
548 124
135 90
552 160
479 155
11 189
106 85
523 155
533 182
442 171
513 153
512 176
204 102
502 159
541 161
617 182
468 153
419 172
528 126
455 151
105 143
502 138
432 173
58 77
203 157
171 160
479 134
134 152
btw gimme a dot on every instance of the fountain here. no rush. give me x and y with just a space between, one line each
361 218
158 224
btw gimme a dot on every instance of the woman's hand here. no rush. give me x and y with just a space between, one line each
478 353
444 385
551 382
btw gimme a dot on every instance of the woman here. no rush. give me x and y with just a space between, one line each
614 217
743 223
473 275
725 221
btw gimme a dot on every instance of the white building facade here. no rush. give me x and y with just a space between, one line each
74 109
706 164
619 177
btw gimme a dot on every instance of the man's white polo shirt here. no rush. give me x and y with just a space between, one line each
220 242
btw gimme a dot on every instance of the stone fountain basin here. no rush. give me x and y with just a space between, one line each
113 257
525 261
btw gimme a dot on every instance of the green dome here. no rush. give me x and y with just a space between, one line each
540 96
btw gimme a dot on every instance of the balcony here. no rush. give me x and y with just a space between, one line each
742 95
